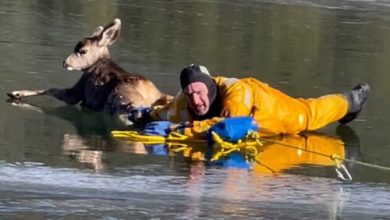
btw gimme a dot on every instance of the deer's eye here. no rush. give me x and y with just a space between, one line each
82 52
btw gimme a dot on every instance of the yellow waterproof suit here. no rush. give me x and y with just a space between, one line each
276 112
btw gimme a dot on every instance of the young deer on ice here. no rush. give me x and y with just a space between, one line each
104 86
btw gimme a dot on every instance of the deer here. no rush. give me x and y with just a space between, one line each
104 85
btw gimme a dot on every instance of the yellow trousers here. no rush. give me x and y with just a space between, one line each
278 113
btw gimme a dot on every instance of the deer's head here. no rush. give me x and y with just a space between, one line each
93 48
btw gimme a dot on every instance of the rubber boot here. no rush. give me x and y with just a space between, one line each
355 98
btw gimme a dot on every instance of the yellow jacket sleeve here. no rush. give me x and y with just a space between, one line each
175 112
160 112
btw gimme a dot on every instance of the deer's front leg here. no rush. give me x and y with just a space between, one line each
68 96
18 94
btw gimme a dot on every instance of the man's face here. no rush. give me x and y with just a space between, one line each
196 94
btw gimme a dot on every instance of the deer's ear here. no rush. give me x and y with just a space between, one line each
110 33
97 32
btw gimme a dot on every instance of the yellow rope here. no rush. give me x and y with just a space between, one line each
247 146
155 139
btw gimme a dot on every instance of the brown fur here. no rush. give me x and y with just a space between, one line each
104 86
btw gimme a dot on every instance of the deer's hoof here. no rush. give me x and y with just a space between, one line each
14 95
